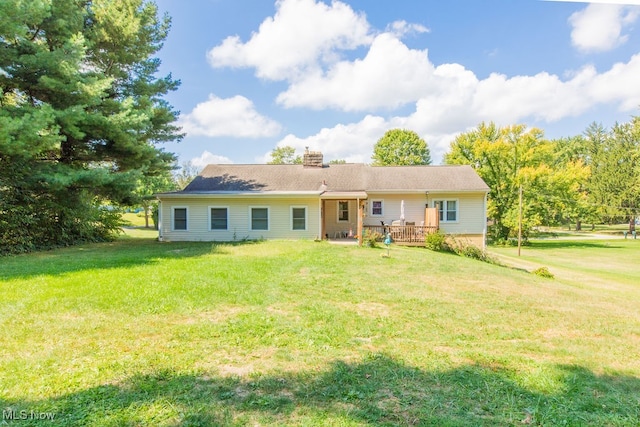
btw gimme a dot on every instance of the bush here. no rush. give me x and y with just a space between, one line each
45 225
155 215
543 272
371 238
472 251
437 242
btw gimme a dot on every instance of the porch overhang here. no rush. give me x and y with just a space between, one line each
342 195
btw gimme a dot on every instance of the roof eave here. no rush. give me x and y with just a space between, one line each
429 190
235 194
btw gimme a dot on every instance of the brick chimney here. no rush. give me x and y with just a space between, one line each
312 159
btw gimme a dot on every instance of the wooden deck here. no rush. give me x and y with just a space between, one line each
410 235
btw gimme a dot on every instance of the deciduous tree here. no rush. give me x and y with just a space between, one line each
614 185
285 155
184 174
513 156
399 147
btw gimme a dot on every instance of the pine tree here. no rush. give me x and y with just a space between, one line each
81 116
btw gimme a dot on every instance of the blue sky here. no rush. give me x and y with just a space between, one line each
334 76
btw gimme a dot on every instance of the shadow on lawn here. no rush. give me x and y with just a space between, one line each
121 253
378 391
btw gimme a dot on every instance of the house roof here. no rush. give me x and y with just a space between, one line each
350 177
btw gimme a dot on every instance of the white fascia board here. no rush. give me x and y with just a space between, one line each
431 191
237 194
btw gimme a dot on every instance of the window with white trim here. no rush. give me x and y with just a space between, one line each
259 218
298 218
218 218
447 210
343 211
376 208
179 219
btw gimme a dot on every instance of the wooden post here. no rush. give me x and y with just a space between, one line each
360 221
323 227
520 220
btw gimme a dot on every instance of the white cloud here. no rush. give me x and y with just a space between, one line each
351 142
389 75
301 33
402 28
354 142
232 117
207 158
619 85
462 101
448 98
599 27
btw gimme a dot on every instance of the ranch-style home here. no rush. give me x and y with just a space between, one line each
314 200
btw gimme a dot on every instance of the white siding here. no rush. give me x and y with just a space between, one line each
239 220
414 205
471 215
331 222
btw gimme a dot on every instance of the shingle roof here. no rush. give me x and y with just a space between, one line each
338 177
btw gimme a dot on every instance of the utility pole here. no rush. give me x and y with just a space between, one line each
520 221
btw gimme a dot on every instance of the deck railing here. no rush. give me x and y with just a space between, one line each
403 233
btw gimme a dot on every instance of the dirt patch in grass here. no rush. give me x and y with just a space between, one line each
235 371
368 309
215 316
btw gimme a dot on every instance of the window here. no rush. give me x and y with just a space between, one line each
218 219
343 211
298 218
179 218
260 218
447 210
376 207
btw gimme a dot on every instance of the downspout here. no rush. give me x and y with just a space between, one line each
320 220
160 238
360 221
484 228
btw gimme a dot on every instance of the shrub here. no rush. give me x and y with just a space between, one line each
371 238
543 272
437 242
472 251
155 215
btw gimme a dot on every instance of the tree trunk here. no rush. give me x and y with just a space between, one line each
146 216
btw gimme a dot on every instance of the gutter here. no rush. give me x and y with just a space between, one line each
237 194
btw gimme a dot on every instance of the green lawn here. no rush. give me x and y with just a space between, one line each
135 219
138 332
599 263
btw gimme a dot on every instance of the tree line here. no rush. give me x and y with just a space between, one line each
593 178
82 117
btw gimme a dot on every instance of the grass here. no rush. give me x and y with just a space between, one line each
138 332
135 219
597 263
